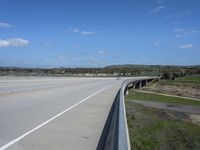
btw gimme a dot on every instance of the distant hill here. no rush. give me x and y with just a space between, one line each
150 66
112 70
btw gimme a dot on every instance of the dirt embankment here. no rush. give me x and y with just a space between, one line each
179 90
188 113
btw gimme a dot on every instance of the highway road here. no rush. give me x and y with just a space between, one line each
52 113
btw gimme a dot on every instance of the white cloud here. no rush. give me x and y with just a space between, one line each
175 15
156 44
101 52
87 33
13 42
74 30
187 46
5 25
180 32
158 9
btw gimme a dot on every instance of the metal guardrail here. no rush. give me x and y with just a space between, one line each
115 135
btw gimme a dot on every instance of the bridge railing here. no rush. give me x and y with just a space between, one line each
116 135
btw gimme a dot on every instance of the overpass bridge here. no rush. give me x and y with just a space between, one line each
64 113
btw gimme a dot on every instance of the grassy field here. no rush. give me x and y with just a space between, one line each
154 129
161 98
158 129
188 86
191 79
187 80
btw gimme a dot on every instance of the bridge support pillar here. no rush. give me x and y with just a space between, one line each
140 84
127 92
145 82
130 85
133 86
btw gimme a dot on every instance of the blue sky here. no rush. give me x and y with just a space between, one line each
91 33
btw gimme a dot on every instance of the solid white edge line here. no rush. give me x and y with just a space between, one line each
51 119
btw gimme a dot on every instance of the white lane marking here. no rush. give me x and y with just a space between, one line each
51 119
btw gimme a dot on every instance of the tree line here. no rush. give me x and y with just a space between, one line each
167 72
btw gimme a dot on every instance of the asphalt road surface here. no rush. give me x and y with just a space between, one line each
44 113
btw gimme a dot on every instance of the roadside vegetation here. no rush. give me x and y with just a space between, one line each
157 129
137 95
190 80
187 86
168 72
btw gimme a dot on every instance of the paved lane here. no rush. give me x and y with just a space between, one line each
19 85
29 102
